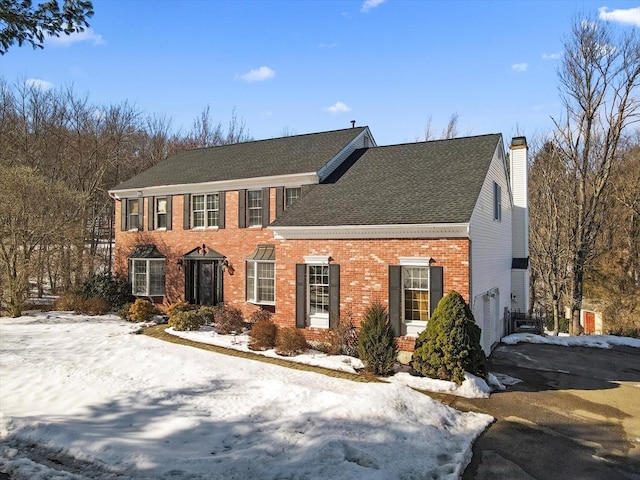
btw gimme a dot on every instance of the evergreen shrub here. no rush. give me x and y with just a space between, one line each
141 311
114 289
450 345
377 346
186 320
290 341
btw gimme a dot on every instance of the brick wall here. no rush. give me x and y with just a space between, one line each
363 263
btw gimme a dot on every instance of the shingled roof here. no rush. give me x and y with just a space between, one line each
263 158
416 183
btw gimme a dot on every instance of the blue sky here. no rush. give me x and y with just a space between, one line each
307 66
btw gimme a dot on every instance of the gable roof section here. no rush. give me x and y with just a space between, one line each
423 183
262 158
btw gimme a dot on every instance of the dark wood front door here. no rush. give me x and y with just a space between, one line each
203 282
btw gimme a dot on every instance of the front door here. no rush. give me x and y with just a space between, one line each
203 282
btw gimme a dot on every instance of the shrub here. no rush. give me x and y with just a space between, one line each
261 314
228 320
115 290
71 302
186 320
450 345
208 314
377 346
563 324
341 339
123 312
290 341
175 307
96 306
141 311
263 335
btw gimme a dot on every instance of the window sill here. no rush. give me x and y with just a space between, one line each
255 226
414 327
271 304
206 228
319 322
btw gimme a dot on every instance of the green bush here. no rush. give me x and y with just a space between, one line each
229 320
290 341
188 320
262 335
116 290
450 345
563 324
141 311
377 346
208 314
123 312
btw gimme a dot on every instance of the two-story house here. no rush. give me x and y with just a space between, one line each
316 227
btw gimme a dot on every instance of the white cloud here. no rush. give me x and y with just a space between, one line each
369 4
38 84
630 16
551 56
328 45
88 35
338 107
258 75
519 67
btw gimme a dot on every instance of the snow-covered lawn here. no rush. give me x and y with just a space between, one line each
87 393
597 341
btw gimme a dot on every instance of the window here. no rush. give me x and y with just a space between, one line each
147 277
161 212
318 276
291 195
497 202
415 287
254 208
261 282
133 214
205 210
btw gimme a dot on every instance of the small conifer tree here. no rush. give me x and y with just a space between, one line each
450 345
377 346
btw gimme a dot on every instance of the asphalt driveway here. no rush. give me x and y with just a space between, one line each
574 415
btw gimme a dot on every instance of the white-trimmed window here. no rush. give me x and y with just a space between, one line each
415 293
318 293
254 208
148 277
205 210
133 213
497 202
261 283
161 212
291 195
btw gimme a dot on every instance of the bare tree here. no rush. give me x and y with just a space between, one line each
599 80
450 131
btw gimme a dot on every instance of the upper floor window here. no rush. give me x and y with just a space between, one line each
132 214
497 202
161 212
205 210
254 208
291 195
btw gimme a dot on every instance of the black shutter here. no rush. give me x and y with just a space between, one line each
301 295
395 298
222 197
265 206
242 209
279 200
435 288
169 211
150 208
123 215
334 295
140 213
186 212
246 280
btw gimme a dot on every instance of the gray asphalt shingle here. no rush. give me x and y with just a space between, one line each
415 183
